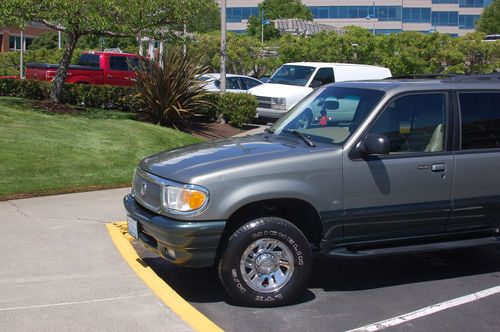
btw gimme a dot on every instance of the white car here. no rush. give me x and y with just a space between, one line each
234 83
293 81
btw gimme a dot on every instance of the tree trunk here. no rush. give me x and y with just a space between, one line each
58 83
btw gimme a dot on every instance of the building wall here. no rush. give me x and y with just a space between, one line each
455 17
9 35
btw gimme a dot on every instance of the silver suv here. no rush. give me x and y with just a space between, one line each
354 169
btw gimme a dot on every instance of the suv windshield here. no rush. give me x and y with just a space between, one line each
292 75
329 115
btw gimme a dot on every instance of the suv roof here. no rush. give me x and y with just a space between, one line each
429 82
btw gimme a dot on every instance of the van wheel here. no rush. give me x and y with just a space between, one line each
267 262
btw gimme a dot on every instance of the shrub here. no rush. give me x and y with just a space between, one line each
211 108
169 88
99 96
238 108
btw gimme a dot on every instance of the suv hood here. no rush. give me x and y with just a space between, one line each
187 163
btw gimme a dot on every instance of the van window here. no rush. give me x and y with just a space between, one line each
324 75
414 123
480 120
292 75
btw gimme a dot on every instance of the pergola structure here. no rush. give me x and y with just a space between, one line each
298 27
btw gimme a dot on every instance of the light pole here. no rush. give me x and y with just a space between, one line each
223 46
21 56
372 16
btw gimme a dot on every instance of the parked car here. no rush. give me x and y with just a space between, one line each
356 169
293 81
234 83
112 68
491 38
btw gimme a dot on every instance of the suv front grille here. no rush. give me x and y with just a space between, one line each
146 191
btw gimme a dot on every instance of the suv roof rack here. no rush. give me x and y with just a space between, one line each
420 76
475 77
451 77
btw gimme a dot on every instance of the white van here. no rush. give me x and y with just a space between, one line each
293 81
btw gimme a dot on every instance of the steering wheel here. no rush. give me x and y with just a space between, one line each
304 119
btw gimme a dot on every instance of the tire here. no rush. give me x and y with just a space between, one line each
277 265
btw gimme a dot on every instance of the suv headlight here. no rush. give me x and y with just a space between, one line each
184 200
278 103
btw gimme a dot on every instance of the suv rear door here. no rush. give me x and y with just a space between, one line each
407 192
476 189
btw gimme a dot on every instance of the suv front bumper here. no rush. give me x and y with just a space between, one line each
194 243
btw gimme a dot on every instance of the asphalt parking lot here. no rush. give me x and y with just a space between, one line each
348 294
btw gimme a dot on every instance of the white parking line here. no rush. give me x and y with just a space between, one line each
427 311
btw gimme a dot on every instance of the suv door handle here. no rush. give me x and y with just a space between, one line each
438 167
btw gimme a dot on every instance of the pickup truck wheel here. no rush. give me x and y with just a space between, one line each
267 262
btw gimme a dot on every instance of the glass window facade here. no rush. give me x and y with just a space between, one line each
444 2
467 21
416 15
444 18
237 14
382 13
424 15
473 3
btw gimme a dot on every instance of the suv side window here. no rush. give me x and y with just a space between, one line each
414 123
480 120
324 75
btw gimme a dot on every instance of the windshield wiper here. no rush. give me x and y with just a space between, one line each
302 136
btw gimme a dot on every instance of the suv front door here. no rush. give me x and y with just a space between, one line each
407 192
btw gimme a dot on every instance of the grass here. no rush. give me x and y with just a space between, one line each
44 153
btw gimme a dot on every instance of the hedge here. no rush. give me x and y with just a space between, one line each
99 96
236 108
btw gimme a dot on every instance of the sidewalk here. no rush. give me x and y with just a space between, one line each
59 270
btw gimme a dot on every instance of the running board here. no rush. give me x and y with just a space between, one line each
345 252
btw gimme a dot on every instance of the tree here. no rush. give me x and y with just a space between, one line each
273 10
99 18
489 22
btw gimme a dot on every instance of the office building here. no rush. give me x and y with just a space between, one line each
454 17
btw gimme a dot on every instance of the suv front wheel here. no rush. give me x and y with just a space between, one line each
266 262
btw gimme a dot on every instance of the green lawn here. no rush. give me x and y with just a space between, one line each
44 153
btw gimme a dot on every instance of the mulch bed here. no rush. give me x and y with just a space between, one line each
51 107
200 126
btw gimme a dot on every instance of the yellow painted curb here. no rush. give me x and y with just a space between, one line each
162 290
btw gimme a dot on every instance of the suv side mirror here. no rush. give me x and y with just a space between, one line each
374 144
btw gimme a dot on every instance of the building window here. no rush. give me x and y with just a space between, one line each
416 15
382 13
474 3
445 2
467 21
15 43
238 14
445 18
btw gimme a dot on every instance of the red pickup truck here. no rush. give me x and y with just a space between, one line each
93 68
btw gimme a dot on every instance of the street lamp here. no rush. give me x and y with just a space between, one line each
372 15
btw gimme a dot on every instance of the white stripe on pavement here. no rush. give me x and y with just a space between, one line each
427 311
